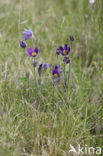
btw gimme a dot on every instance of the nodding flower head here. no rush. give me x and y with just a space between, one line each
56 72
72 38
64 51
67 60
27 34
32 53
22 44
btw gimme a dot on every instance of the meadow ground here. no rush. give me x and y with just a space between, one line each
32 121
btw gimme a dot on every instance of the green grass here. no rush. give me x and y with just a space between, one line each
32 122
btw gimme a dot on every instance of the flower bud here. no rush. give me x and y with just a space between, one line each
22 44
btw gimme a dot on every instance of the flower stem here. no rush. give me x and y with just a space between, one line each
69 74
64 75
71 44
24 53
53 95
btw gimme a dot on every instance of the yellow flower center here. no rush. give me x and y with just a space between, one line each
65 52
34 53
55 75
68 60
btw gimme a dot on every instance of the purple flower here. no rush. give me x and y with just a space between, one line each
40 66
46 65
58 51
32 53
64 51
67 60
22 44
56 73
57 67
50 65
72 38
27 34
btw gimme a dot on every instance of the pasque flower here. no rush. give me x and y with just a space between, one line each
72 38
46 65
59 50
22 44
64 51
67 60
27 34
56 72
32 53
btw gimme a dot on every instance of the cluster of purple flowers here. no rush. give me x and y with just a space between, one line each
27 35
64 51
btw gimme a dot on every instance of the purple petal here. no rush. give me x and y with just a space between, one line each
57 50
49 65
64 59
40 66
30 51
61 48
69 49
36 49
45 66
27 34
57 67
53 71
65 47
27 31
26 37
29 55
